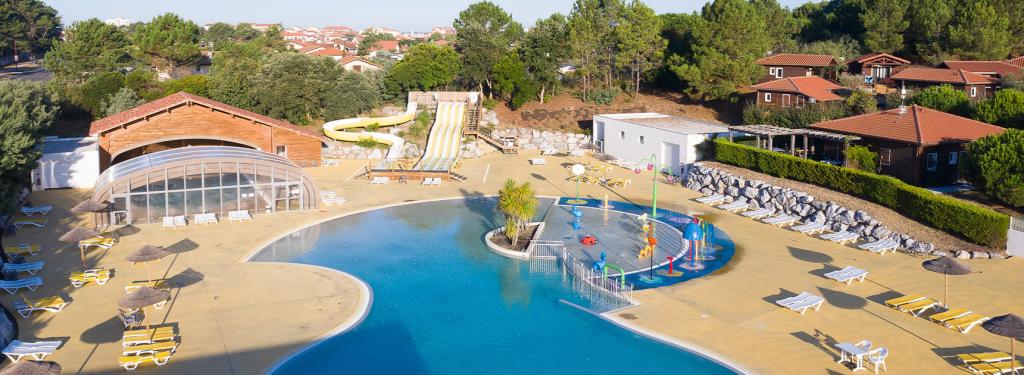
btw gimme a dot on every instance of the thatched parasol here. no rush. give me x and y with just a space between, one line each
142 298
79 234
1009 325
946 266
90 206
148 254
32 368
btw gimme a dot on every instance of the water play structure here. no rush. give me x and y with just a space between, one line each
337 130
445 141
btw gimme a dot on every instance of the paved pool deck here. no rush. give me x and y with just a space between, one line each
241 318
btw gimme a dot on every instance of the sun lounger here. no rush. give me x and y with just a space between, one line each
802 302
334 200
735 206
101 242
983 357
548 151
132 362
576 153
12 286
97 275
965 323
179 221
986 368
919 307
42 210
52 304
31 267
23 249
841 237
712 200
380 181
239 215
155 284
538 161
38 350
147 336
169 346
21 223
880 247
948 315
810 228
781 220
168 222
848 275
758 213
910 298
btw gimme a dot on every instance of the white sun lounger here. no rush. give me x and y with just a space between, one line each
38 350
758 213
42 210
538 161
168 222
841 237
380 181
12 286
179 221
848 275
802 302
239 215
334 200
880 247
781 220
735 206
712 199
30 267
810 228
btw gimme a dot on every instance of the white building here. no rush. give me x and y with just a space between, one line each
637 136
119 22
67 163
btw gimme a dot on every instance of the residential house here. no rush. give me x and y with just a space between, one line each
991 69
975 85
1017 61
918 145
876 67
331 52
784 65
358 64
263 27
387 46
636 136
795 91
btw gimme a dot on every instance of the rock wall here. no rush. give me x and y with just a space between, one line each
349 150
531 139
709 181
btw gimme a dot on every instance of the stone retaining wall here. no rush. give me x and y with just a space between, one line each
531 139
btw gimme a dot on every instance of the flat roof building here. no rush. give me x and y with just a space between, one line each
637 136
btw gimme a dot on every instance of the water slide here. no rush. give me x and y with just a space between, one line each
445 140
336 130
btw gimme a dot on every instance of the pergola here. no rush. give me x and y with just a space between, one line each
769 132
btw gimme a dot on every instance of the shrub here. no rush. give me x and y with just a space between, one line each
943 98
524 93
1006 109
861 158
366 142
373 127
603 97
489 103
852 81
976 224
792 117
996 165
860 102
418 128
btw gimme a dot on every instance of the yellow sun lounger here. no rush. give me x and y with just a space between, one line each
52 304
163 346
995 367
964 324
104 242
132 362
983 357
155 284
910 298
950 314
919 307
23 249
97 275
147 336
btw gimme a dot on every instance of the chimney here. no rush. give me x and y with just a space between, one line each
902 110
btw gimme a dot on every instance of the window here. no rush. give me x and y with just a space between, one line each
357 68
974 92
641 139
282 151
799 101
767 97
933 161
953 158
622 134
885 156
785 100
775 72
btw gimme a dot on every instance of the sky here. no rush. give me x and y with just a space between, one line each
404 15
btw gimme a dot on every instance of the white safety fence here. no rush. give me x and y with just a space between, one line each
605 292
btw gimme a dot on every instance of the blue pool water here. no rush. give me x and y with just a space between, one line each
444 304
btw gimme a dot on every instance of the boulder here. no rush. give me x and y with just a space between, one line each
963 254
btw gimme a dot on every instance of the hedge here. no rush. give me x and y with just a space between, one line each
974 223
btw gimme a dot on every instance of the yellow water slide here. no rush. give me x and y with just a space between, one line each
336 130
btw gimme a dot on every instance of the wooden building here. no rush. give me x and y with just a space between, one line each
876 67
918 145
795 92
991 69
975 85
183 120
784 65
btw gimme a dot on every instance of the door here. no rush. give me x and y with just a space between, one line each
785 100
670 157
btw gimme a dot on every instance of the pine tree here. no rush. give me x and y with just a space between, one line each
484 33
980 31
884 23
928 31
26 110
640 45
545 48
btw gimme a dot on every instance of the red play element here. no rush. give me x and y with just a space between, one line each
589 240
653 241
670 266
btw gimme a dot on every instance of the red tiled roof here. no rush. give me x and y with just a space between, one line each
389 45
184 98
812 86
351 58
308 48
959 76
919 125
1017 61
1001 68
796 59
876 55
328 51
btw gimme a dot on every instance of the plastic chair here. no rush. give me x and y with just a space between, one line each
877 358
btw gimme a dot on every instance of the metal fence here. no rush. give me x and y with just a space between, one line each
605 292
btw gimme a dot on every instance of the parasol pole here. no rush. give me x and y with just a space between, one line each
945 291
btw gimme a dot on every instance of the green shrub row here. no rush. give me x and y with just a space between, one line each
976 224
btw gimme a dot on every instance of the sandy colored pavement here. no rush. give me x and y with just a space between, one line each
240 318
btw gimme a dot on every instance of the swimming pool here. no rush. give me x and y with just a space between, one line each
444 304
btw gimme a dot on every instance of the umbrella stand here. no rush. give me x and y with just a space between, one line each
81 251
945 291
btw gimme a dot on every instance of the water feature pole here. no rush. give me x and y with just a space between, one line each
654 182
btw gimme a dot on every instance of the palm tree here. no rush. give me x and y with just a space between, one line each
517 204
